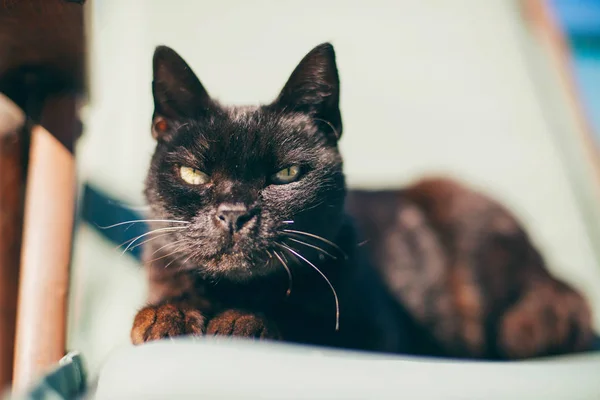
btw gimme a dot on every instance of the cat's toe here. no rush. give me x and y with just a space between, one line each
240 323
166 320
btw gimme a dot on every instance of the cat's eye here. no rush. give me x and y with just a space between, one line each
287 175
193 176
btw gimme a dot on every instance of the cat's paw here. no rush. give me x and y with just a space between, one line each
166 320
241 323
549 320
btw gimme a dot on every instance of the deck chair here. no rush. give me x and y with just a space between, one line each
203 367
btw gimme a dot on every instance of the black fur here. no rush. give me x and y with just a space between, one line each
445 270
240 149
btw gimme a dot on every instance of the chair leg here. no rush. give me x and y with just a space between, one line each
46 250
11 204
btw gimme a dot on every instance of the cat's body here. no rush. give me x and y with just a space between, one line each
264 241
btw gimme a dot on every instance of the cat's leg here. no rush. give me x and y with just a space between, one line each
244 324
525 311
437 288
549 318
168 319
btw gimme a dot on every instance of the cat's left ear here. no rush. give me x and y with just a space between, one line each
314 89
178 93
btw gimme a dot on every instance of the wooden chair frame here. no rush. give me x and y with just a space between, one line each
42 76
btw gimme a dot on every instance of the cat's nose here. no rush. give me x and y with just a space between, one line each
234 217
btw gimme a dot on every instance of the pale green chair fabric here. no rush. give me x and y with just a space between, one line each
206 368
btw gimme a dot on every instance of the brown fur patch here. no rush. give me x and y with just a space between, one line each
468 309
166 320
244 324
549 318
486 303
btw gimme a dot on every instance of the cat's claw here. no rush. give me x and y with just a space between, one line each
166 320
241 323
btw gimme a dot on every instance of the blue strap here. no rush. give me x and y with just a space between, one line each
100 211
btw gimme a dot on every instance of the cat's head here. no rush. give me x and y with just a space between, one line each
242 178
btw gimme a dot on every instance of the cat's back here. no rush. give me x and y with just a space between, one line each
377 212
397 235
441 203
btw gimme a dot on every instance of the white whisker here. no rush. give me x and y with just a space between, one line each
312 246
142 220
173 260
177 250
168 244
172 228
337 304
187 259
149 240
318 238
287 269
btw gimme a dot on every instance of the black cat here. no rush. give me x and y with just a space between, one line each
256 236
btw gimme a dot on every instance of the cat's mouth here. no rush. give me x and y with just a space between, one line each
235 259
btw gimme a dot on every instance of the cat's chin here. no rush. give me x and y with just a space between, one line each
238 275
238 269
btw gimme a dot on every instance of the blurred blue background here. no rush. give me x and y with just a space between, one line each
580 22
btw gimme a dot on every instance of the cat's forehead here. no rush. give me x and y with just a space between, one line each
249 136
242 114
258 127
260 117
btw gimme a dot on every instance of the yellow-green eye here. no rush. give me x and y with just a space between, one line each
287 175
193 176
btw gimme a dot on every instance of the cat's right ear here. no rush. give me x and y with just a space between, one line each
314 89
178 93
